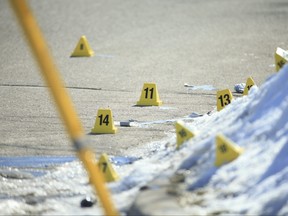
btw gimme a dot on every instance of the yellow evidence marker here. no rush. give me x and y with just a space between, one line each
104 123
249 83
226 150
182 133
82 49
107 169
149 95
281 57
224 97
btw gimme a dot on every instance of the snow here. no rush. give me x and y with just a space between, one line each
256 183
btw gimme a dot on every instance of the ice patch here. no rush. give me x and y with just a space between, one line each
34 161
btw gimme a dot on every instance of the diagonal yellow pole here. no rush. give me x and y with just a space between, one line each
63 102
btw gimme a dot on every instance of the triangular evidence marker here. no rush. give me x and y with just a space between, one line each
104 123
249 83
107 169
82 49
226 150
224 97
149 95
182 133
281 57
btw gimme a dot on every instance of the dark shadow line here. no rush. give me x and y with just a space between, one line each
142 105
40 86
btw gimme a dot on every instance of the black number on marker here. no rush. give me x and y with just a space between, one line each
227 100
223 148
182 133
147 91
249 86
280 63
104 165
104 120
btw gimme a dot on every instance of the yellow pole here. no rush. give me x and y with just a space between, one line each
63 102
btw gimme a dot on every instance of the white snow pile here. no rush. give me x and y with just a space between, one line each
256 183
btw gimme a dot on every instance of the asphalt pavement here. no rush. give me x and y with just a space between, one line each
168 42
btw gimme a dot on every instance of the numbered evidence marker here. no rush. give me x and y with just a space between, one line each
249 83
224 97
226 150
281 57
182 133
149 95
107 169
104 123
82 49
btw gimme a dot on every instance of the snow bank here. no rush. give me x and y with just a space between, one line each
257 181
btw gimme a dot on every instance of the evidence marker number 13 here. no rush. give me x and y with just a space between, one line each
224 97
